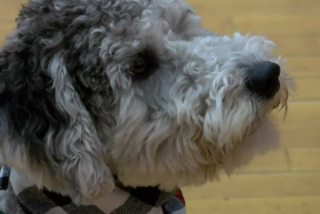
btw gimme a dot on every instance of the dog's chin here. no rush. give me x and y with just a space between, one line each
263 139
263 136
213 162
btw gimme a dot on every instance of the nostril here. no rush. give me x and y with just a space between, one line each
274 69
263 78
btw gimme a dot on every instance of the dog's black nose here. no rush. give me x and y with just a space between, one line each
263 79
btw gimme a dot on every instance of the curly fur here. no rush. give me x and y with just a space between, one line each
73 113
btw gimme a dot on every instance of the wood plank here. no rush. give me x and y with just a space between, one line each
297 45
299 134
265 8
6 28
222 24
303 67
258 23
307 89
258 185
302 125
304 111
272 161
303 159
292 205
10 9
12 2
8 13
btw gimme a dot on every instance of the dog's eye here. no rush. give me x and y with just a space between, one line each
139 66
144 64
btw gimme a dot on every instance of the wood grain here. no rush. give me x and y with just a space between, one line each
275 161
287 205
254 185
306 67
303 159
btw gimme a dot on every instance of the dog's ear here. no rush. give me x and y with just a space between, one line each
77 145
44 110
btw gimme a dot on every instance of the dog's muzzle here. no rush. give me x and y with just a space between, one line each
263 79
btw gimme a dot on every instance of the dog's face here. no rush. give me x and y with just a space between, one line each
184 97
168 100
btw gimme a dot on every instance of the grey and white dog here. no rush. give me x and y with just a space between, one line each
134 88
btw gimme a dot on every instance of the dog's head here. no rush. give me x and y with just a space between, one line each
169 100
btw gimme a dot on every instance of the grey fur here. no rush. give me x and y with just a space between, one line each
70 103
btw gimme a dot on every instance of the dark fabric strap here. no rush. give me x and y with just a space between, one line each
4 177
141 200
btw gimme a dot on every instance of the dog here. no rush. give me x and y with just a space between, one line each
139 89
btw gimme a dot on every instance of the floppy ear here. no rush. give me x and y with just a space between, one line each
76 146
45 121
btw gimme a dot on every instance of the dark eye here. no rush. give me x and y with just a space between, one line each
139 66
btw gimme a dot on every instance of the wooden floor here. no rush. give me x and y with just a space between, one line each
286 181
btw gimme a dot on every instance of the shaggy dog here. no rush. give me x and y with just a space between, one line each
134 88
